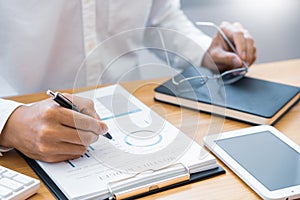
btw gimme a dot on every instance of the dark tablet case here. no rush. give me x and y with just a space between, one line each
249 95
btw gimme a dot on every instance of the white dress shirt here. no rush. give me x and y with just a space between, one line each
44 43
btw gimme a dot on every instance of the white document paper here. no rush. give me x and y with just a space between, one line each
142 141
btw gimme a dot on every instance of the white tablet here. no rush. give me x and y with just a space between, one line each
262 157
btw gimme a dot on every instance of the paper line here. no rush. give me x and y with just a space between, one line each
120 115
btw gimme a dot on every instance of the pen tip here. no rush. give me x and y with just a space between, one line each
107 135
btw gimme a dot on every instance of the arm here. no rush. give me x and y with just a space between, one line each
168 14
48 132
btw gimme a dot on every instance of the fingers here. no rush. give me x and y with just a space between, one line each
242 40
86 106
65 149
86 120
57 153
66 125
58 134
225 60
82 122
235 33
250 49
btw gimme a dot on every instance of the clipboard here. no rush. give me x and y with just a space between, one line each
190 178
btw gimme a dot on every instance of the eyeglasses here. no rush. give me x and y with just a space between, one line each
227 77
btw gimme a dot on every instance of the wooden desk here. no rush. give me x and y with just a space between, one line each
227 186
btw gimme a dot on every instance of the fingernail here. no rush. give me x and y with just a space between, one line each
244 55
105 129
97 116
236 62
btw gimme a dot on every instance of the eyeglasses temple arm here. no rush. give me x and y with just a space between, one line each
166 55
220 31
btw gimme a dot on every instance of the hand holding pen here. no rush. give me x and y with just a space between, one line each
49 132
66 103
232 47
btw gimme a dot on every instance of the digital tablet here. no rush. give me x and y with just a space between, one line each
261 156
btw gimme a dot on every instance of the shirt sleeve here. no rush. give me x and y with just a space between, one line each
6 108
186 39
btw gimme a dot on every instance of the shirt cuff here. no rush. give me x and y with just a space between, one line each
4 149
7 107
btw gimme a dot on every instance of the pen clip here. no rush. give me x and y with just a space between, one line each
62 100
52 94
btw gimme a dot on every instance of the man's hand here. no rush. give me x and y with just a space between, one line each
48 132
223 56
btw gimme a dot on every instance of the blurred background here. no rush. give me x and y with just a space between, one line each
274 24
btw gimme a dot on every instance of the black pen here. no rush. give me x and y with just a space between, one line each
67 103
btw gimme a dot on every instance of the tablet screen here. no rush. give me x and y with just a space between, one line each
270 160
